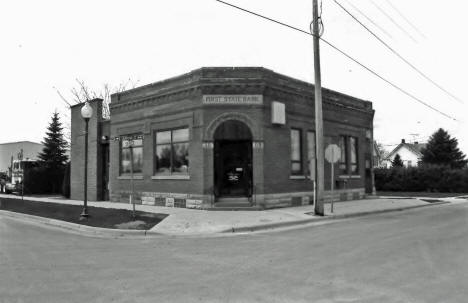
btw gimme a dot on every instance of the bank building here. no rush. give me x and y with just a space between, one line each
235 137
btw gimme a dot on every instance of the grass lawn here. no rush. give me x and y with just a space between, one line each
418 194
98 217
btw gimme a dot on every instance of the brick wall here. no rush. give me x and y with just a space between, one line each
77 152
177 102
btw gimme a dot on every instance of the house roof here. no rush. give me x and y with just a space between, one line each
416 148
19 142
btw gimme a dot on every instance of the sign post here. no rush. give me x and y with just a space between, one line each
131 179
332 154
131 141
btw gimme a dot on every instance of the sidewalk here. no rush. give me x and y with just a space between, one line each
183 221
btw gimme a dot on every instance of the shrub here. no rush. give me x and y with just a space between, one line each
38 179
424 178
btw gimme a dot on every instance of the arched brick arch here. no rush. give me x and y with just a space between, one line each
254 127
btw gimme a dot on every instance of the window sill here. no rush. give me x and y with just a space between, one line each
297 177
349 176
171 177
128 177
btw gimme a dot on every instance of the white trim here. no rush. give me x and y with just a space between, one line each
170 177
128 177
296 177
349 176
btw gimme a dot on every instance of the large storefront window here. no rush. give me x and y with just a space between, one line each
129 143
353 155
343 164
172 151
349 155
296 163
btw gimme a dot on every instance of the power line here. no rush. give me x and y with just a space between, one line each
344 54
393 21
406 19
396 53
369 19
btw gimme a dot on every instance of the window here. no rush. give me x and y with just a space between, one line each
343 164
353 152
129 143
172 151
349 155
296 163
310 148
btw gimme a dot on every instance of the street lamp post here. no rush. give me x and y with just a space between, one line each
86 113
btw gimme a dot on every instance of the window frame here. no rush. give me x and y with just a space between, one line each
310 151
356 163
293 161
343 164
346 165
121 148
171 143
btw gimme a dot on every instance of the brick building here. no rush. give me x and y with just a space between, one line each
238 137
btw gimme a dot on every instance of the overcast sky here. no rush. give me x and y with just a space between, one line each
47 45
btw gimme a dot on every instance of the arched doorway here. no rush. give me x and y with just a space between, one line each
232 160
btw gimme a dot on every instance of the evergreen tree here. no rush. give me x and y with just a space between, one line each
443 150
397 162
53 156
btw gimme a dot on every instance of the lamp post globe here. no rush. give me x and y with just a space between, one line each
86 113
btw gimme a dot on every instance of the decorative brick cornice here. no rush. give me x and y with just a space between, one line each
248 80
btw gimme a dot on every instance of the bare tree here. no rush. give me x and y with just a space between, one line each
82 93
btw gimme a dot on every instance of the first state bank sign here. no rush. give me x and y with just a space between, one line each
233 99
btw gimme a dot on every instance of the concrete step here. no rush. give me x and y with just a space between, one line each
233 203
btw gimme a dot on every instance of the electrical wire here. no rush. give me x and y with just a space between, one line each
393 21
319 21
344 54
396 53
406 19
369 19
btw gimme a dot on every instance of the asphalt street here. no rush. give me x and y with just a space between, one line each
418 255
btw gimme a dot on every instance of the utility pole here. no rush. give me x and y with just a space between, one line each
319 167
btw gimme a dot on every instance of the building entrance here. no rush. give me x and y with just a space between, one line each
233 160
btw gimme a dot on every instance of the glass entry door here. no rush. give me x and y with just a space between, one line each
233 168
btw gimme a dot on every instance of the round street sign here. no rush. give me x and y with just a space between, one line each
332 153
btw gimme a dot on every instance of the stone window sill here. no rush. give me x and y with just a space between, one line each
171 177
297 177
128 177
349 176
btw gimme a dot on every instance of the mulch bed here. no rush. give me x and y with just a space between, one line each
98 217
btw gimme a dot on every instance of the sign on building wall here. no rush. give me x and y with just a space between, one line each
233 99
278 113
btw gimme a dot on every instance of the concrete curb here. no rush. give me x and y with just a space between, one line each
85 230
100 232
253 228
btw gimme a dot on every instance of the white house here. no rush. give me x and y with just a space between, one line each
410 154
